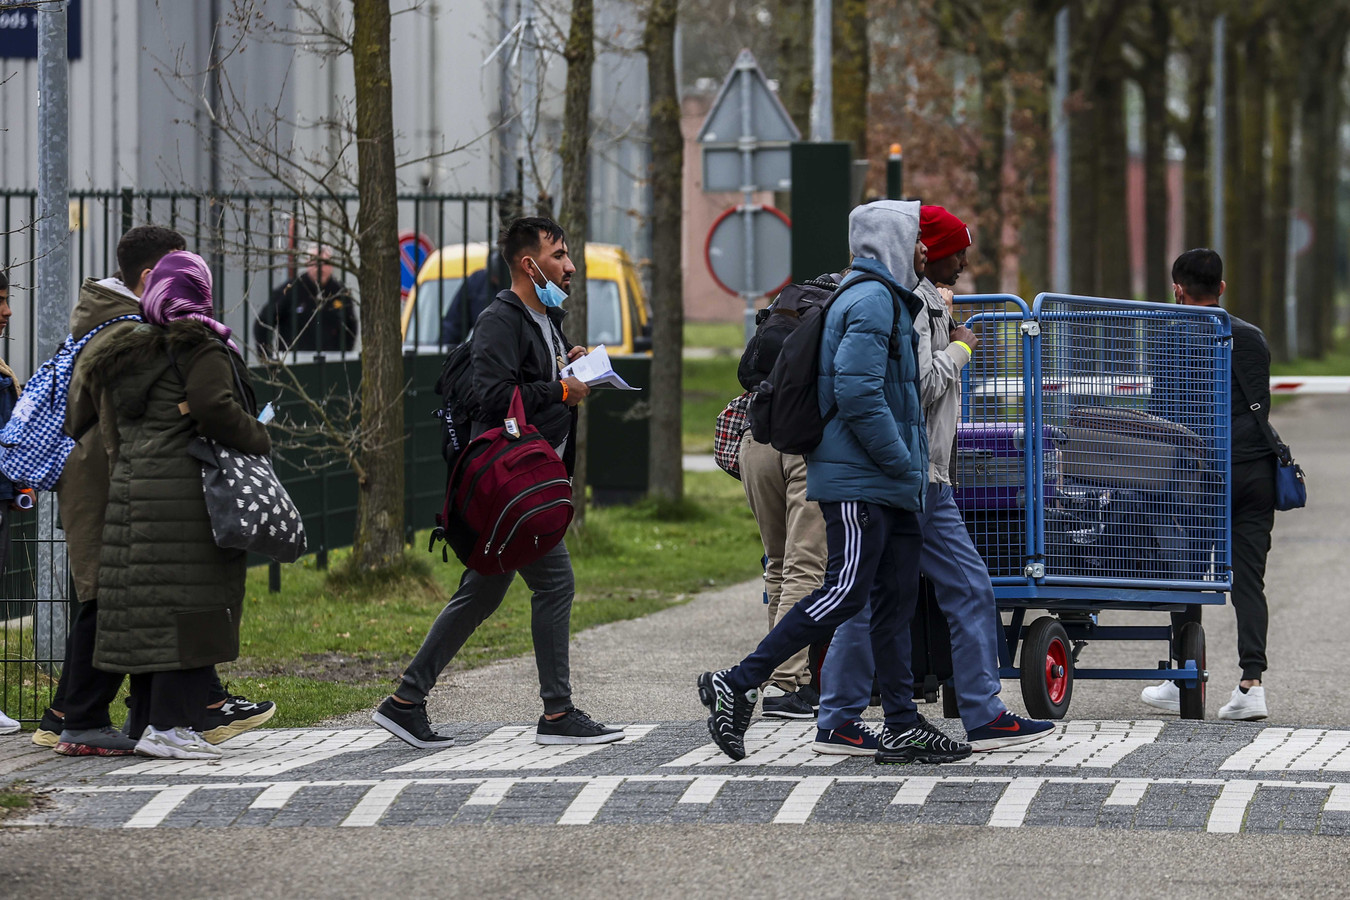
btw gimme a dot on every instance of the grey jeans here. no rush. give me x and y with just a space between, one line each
478 596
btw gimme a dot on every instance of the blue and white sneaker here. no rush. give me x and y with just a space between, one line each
1006 731
853 739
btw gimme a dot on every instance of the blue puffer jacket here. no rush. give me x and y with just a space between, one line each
875 448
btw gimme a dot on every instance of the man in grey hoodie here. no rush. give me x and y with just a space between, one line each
949 560
869 473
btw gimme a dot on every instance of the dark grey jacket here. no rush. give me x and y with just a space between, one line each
510 351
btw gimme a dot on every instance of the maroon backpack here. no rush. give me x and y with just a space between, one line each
508 500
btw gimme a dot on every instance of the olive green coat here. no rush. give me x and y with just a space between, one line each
169 598
82 492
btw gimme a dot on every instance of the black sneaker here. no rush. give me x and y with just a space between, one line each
731 712
810 694
235 716
575 727
779 704
409 722
920 743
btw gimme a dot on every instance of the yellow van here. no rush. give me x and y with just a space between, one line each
615 300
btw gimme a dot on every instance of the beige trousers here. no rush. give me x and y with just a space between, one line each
793 531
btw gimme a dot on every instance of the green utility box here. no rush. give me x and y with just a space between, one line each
822 198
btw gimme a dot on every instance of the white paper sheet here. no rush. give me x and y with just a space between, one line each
596 370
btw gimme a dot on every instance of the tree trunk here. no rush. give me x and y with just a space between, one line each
1250 250
1113 235
666 470
851 70
1153 85
575 214
793 27
1195 136
1233 184
1281 205
989 175
379 508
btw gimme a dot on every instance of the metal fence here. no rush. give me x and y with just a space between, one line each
255 243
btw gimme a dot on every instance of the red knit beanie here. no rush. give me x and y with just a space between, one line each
942 233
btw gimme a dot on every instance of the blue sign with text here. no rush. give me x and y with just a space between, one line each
19 30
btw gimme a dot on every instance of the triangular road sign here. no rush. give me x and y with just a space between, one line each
769 121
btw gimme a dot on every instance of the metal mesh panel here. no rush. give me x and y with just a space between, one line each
990 476
1134 400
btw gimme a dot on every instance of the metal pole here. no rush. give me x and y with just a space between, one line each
747 143
52 308
1059 263
822 93
1220 136
529 101
895 173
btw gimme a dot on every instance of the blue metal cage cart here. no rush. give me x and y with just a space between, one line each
1092 470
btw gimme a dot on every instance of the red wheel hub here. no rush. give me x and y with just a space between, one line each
1056 671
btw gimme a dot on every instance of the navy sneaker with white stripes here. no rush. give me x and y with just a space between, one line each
1006 731
920 743
731 711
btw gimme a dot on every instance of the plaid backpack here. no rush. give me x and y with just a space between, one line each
732 423
34 445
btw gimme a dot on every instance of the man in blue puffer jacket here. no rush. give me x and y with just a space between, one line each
869 474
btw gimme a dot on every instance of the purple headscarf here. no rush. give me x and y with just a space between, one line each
179 287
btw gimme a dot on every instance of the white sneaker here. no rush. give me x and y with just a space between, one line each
1163 696
175 743
1246 707
7 725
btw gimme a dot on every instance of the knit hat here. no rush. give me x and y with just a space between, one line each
942 233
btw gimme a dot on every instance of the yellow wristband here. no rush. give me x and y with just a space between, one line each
969 351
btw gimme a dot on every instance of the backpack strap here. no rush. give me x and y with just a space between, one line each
75 349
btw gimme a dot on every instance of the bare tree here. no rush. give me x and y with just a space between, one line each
575 213
379 510
666 466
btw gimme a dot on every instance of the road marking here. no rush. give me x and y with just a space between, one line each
1226 814
1080 744
768 742
1127 792
1011 809
512 747
1290 749
374 804
704 789
1339 799
158 807
588 803
915 791
799 805
277 795
268 752
490 792
1231 807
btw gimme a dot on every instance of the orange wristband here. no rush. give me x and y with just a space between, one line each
564 396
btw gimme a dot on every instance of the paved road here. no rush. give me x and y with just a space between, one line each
1127 801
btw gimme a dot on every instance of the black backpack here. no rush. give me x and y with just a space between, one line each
785 411
459 404
772 328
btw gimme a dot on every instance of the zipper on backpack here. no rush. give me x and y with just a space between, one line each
492 535
545 508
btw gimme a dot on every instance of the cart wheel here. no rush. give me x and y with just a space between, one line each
949 710
1192 646
1047 669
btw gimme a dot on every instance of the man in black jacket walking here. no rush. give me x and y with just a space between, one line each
518 343
1197 280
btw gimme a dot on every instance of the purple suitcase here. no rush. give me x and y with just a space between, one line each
989 470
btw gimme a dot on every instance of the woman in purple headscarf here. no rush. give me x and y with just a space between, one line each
169 598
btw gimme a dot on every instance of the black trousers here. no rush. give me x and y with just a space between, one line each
170 699
1253 520
84 692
